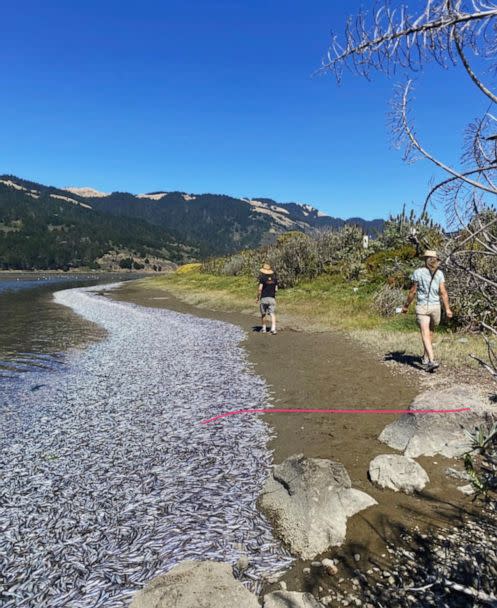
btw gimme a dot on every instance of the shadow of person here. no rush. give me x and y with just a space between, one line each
400 356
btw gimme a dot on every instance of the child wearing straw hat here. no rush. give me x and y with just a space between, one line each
428 285
266 296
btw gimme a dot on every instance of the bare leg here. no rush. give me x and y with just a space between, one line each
426 336
273 322
425 353
263 323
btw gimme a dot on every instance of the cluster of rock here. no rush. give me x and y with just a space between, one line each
211 585
310 499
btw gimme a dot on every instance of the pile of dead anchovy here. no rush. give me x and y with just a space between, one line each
109 479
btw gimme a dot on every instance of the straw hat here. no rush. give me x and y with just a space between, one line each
266 269
430 253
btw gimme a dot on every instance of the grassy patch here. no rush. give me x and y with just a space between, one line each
323 304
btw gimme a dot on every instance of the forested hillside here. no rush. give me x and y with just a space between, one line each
50 233
47 227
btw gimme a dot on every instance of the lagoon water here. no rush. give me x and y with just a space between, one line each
35 332
109 477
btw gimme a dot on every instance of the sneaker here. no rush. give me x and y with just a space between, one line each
273 331
263 329
425 360
432 366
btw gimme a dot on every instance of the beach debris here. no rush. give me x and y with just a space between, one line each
191 583
310 500
439 433
397 472
108 477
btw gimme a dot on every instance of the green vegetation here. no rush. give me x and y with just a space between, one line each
45 227
332 281
52 233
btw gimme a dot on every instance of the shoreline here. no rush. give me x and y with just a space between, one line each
324 370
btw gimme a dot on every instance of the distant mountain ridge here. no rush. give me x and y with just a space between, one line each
177 224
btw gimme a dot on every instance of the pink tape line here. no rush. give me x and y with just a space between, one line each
333 411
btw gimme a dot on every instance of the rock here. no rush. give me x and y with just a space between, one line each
357 557
397 473
468 490
290 599
310 500
283 585
430 434
456 474
191 583
329 567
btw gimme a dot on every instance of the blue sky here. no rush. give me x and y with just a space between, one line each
205 96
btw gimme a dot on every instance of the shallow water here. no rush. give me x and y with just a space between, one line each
109 477
35 332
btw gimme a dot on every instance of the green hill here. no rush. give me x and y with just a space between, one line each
48 227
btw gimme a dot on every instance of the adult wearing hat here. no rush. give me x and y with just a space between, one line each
428 286
266 296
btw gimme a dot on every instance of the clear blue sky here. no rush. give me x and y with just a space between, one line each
210 96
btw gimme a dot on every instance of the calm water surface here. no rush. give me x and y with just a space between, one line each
34 331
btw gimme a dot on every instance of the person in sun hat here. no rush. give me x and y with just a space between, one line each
428 285
266 296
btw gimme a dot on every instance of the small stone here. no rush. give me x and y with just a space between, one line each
326 600
316 564
283 585
391 580
329 567
306 570
386 574
468 490
357 557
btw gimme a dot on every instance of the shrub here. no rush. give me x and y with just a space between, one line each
126 263
233 266
294 258
387 299
188 268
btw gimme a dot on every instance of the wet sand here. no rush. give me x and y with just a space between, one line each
329 370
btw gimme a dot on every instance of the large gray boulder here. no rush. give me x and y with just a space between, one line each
309 500
398 472
200 584
290 599
430 434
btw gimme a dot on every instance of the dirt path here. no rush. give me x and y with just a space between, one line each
328 370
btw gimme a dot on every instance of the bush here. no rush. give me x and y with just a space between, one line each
294 258
126 263
188 268
387 299
233 266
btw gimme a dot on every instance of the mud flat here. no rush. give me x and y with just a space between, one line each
327 370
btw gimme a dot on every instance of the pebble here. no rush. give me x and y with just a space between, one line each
329 566
283 585
357 557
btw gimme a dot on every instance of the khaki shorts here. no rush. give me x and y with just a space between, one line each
267 306
428 311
